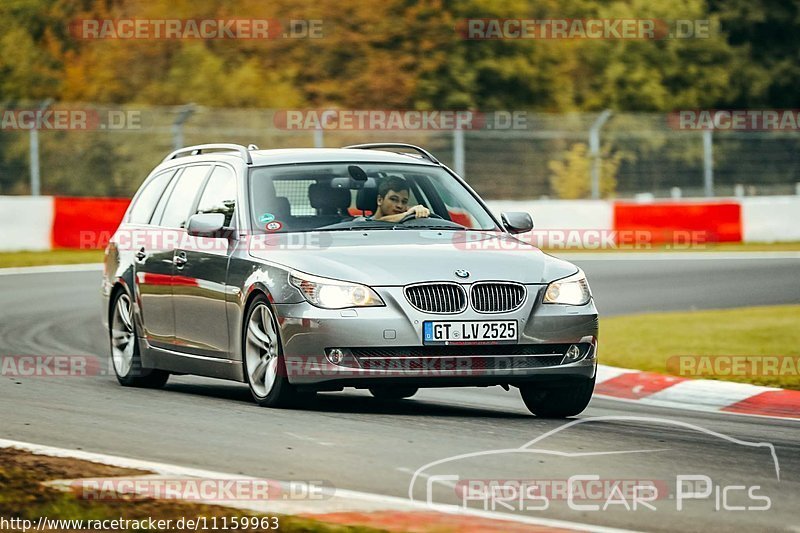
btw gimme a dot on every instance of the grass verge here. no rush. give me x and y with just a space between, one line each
647 342
23 496
52 257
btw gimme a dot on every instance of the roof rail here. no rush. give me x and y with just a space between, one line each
200 148
379 146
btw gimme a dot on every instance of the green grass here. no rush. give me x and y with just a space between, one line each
53 257
646 342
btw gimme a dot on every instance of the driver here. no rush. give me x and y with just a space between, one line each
393 202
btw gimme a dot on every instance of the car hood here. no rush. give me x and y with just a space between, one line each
394 258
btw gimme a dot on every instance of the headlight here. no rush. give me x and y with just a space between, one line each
334 294
573 290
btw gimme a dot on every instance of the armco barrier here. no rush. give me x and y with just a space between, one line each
715 221
78 221
26 222
771 218
43 223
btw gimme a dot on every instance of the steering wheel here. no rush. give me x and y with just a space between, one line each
411 216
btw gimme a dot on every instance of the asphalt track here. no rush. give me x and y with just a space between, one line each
353 441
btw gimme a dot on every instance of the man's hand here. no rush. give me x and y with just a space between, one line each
419 211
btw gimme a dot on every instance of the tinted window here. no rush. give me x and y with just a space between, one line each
182 198
146 201
219 195
309 197
162 203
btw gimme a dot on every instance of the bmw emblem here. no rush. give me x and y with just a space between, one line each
462 273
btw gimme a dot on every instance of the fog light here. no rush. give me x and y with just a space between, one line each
335 356
573 353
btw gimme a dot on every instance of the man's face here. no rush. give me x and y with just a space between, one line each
393 203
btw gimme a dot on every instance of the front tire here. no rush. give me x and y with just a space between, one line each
264 365
125 357
558 401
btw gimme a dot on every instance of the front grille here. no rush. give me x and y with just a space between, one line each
497 297
437 297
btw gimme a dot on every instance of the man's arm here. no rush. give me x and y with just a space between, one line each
419 211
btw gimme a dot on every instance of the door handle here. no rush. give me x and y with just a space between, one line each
180 259
141 254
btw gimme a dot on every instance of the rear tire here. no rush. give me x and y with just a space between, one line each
125 357
393 393
262 357
558 401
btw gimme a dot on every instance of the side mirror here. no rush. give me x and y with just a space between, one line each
517 221
205 225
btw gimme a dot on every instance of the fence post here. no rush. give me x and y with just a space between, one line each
594 151
319 139
177 127
708 163
36 181
458 151
34 156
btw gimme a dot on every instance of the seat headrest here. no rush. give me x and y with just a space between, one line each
278 207
326 198
367 199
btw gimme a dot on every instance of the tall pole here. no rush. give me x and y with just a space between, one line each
177 127
458 151
36 181
594 151
34 155
708 163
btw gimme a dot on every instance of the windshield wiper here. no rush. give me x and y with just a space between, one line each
456 228
386 226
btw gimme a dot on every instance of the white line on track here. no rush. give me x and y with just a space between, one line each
52 269
344 498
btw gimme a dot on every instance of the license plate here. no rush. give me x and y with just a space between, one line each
469 332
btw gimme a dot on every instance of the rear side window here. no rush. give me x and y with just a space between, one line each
146 200
183 195
219 195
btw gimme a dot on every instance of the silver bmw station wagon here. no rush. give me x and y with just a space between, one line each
372 266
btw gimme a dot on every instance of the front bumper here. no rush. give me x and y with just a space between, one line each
309 333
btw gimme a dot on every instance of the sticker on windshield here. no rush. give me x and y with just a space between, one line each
274 226
266 218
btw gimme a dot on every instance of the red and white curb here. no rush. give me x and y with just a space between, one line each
339 505
650 388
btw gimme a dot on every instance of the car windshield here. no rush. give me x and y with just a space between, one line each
345 196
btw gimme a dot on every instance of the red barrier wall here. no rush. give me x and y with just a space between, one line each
675 222
86 222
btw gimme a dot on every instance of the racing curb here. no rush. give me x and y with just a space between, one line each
650 388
